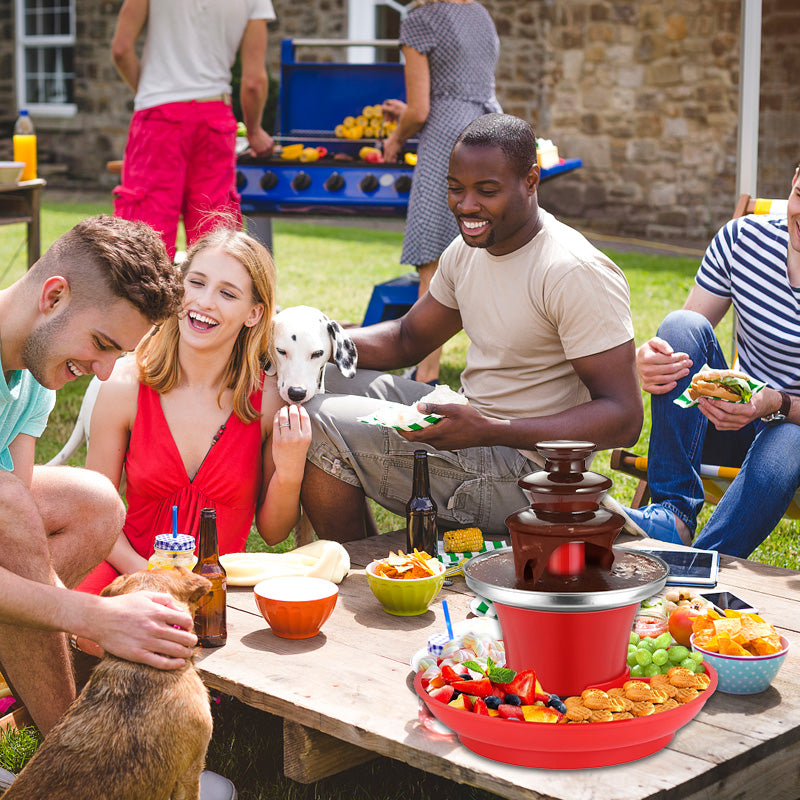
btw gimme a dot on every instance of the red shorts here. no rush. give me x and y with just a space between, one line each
180 160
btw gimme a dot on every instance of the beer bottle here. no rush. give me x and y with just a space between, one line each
209 619
421 510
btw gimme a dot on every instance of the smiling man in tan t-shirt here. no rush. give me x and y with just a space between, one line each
551 355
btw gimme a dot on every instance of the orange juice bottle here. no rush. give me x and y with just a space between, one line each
25 145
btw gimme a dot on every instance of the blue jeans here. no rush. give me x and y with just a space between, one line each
681 439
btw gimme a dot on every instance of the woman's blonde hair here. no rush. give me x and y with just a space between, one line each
157 355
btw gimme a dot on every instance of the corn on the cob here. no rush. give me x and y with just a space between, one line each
463 540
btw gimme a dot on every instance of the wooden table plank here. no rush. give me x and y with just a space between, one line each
348 683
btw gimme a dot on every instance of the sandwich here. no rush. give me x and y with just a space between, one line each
726 384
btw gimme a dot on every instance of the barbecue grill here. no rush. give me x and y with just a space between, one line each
314 98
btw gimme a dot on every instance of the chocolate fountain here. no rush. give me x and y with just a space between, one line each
565 596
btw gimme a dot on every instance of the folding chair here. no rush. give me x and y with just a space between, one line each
715 479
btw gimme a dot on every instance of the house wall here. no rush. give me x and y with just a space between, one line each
645 93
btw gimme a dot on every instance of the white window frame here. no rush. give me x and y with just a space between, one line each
22 42
361 21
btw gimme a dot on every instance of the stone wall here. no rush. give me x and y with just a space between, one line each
646 93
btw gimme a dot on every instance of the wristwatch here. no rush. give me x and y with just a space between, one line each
781 414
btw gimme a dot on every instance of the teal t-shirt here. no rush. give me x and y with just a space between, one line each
25 406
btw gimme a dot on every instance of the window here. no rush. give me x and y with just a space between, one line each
375 19
46 56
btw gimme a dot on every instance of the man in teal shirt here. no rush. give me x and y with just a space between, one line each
92 296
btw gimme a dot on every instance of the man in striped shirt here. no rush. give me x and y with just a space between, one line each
753 263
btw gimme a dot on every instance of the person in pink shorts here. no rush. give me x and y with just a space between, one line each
180 159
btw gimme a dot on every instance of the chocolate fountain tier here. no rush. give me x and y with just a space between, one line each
631 578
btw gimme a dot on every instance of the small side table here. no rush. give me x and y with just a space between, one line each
21 202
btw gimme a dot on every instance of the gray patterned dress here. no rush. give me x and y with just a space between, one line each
462 47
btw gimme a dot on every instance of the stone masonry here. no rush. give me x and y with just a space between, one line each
645 93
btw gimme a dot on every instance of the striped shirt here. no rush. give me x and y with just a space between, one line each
746 263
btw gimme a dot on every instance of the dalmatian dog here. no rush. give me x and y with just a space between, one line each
303 340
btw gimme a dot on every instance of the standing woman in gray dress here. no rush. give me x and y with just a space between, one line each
450 49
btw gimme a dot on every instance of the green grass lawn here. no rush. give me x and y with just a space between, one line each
335 269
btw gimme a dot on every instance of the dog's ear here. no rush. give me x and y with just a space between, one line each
271 365
344 350
196 586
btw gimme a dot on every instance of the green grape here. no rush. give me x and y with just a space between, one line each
643 657
631 648
700 668
637 671
696 656
660 657
663 641
632 658
665 668
651 669
647 643
634 638
689 663
677 653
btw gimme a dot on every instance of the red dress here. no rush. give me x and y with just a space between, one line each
229 480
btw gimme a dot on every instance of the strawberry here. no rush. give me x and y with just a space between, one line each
510 712
524 686
479 688
479 707
449 674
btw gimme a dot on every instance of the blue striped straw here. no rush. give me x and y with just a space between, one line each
175 521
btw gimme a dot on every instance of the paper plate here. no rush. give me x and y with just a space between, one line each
552 746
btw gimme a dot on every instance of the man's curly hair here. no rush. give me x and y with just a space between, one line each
104 258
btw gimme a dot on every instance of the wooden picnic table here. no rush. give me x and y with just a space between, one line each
346 695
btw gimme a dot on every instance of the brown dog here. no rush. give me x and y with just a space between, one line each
134 732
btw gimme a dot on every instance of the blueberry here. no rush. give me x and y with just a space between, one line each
557 703
466 676
492 701
513 700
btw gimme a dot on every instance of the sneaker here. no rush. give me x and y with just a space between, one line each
656 522
215 787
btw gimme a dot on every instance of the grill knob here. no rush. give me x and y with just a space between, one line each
301 181
403 184
369 183
240 180
269 180
335 182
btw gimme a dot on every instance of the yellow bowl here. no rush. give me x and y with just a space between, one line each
405 598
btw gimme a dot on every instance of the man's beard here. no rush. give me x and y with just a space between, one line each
37 347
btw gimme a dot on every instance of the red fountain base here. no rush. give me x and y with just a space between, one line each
596 642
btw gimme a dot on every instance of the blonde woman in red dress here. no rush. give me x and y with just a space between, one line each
193 420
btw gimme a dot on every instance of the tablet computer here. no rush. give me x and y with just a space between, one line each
689 567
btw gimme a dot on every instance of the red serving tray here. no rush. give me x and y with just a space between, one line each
552 746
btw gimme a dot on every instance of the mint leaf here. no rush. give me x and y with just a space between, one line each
474 666
500 674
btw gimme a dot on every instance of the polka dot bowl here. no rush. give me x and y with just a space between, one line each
745 674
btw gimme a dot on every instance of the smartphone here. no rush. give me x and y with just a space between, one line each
724 600
688 567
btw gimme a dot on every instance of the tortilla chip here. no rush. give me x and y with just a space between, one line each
728 647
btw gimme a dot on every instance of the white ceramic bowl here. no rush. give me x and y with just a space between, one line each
10 171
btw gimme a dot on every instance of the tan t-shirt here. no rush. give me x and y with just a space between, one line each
528 313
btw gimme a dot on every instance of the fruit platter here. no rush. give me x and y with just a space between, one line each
508 716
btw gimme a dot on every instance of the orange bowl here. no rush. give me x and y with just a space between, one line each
296 606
